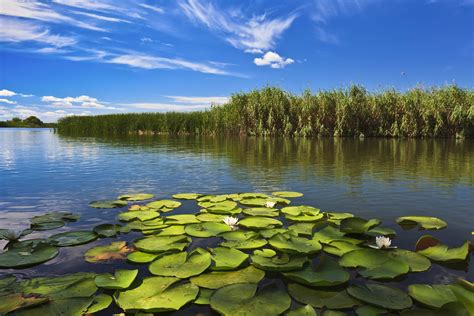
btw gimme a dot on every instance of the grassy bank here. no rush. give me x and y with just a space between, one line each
434 112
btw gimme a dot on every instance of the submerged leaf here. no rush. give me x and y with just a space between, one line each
72 238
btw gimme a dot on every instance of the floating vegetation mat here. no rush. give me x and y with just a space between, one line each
238 254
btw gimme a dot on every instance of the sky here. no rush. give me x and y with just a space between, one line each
88 57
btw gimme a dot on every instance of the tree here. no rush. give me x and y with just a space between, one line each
33 121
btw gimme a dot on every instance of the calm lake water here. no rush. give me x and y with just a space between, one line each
41 171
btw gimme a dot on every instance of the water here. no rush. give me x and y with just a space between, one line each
41 171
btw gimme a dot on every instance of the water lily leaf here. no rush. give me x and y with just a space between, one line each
108 204
76 306
329 234
157 294
261 211
15 301
181 219
244 244
306 310
186 196
305 217
243 299
376 264
381 231
145 226
239 235
141 257
267 253
441 252
451 309
207 229
321 298
28 255
381 295
294 244
227 258
328 312
303 228
164 205
339 247
6 283
284 262
256 201
415 261
300 210
269 233
101 302
122 279
174 230
218 279
252 195
139 215
425 222
326 273
55 217
259 222
464 292
181 265
209 217
107 230
357 225
136 197
287 194
369 310
434 296
113 251
47 225
161 244
73 238
222 207
204 297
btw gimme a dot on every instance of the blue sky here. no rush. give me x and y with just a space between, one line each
65 57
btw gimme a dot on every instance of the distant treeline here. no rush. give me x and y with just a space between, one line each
356 112
31 121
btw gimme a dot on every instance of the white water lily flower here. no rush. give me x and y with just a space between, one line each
231 221
270 204
382 242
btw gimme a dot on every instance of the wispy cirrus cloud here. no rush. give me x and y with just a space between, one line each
7 101
198 100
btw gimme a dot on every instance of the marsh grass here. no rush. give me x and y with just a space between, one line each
435 112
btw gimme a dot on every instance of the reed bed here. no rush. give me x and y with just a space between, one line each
354 112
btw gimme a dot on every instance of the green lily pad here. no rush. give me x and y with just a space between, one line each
12 302
113 251
425 222
101 302
181 219
161 244
47 225
164 205
75 306
108 204
186 196
261 211
305 217
259 222
141 257
300 210
451 309
244 244
464 292
73 238
218 207
107 230
287 194
136 197
209 217
293 244
369 310
381 231
330 234
181 265
434 296
204 297
122 279
256 201
145 226
218 279
321 298
244 299
381 296
54 217
227 258
174 230
157 294
442 253
326 273
357 225
303 228
269 233
207 229
28 255
138 215
306 310
339 247
268 261
239 235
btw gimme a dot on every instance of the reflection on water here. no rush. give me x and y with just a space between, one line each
383 178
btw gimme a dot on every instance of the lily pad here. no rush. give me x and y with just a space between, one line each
451 309
369 310
141 257
12 302
204 297
28 255
122 279
244 299
256 201
113 251
160 244
239 235
209 217
306 310
274 262
75 306
218 279
425 222
207 229
47 225
164 205
73 238
434 296
157 294
186 196
330 234
181 219
174 230
181 265
442 253
326 273
55 216
139 215
339 247
381 231
244 244
101 302
287 194
299 210
259 222
321 298
108 204
227 258
303 228
261 211
107 230
381 295
136 197
293 244
357 225
464 292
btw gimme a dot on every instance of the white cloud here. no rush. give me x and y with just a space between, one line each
146 40
198 100
152 8
273 60
254 51
167 107
326 37
87 4
13 30
7 93
256 33
7 101
101 17
83 101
